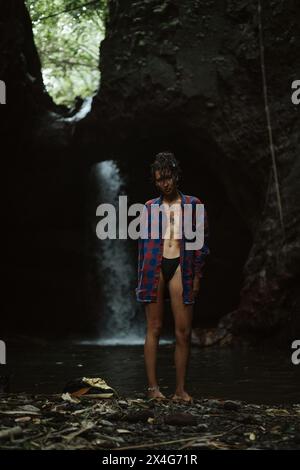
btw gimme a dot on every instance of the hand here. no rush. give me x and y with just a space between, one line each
196 286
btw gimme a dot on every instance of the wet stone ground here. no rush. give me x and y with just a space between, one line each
62 422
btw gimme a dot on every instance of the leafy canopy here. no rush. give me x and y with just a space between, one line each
67 35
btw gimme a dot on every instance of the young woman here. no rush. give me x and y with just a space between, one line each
165 261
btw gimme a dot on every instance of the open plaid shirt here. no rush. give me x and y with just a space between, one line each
150 252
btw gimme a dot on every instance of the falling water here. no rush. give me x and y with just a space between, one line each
121 320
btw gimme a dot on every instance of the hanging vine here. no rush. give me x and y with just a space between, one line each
268 117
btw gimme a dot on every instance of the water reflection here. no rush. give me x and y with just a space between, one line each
257 376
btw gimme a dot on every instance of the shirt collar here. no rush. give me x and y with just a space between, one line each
183 198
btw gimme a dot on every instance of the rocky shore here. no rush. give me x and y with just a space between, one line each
51 422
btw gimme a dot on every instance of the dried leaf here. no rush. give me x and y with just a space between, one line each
80 392
23 419
96 383
67 397
277 412
98 395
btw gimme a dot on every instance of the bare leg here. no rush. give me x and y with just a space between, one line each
154 315
183 316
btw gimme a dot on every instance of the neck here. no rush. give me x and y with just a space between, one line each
171 198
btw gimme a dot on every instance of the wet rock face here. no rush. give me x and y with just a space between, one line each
181 75
21 71
43 187
187 76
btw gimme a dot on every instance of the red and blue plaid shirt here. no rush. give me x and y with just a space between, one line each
150 252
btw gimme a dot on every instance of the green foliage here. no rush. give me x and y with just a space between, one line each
67 35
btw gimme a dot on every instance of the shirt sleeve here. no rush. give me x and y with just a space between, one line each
202 253
141 240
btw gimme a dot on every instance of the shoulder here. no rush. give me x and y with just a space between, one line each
192 199
151 201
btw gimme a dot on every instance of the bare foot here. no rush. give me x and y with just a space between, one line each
155 393
183 397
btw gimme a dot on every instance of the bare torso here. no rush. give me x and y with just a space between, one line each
171 247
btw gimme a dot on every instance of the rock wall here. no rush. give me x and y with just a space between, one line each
43 182
187 75
184 75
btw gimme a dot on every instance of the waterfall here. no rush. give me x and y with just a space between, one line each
121 320
112 268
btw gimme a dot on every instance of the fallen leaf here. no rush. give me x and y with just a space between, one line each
67 397
277 412
23 419
80 392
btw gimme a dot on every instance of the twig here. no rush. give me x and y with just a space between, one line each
43 18
189 439
71 436
193 441
150 444
70 63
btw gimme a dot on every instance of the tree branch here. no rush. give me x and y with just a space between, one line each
92 2
71 63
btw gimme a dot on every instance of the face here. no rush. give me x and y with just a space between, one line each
165 183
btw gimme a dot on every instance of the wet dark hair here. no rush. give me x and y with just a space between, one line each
166 163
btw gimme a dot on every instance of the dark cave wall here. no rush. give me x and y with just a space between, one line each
20 69
43 182
187 75
184 75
